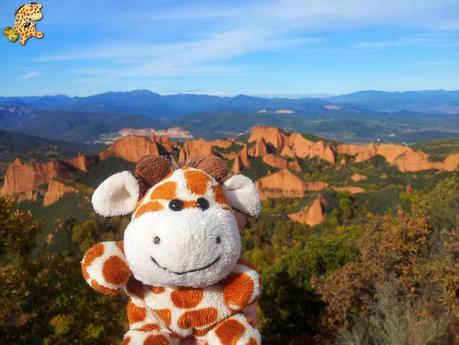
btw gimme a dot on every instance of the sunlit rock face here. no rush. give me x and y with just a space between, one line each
311 215
21 177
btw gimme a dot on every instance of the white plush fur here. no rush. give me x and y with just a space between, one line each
188 241
117 195
242 195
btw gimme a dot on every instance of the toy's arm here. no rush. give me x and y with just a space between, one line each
242 287
105 267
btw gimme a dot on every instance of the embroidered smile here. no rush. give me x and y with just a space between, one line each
185 272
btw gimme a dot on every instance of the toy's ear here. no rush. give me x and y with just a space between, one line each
117 195
242 195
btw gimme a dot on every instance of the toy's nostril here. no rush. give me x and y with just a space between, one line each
218 240
156 240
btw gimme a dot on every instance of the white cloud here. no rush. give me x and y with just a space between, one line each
30 75
238 30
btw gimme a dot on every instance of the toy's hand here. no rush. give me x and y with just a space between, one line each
105 267
242 287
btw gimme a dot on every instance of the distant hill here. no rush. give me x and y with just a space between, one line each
401 117
435 101
31 148
70 125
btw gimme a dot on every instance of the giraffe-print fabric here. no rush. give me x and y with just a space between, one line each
163 315
179 263
24 23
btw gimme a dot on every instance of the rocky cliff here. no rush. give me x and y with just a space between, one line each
55 191
131 148
282 183
21 177
270 135
311 215
83 162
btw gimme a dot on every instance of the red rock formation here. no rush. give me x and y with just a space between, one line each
224 144
83 162
193 148
451 162
358 177
350 189
261 149
237 165
21 177
55 191
311 215
270 135
131 148
26 196
315 186
275 161
403 157
281 183
244 157
287 152
414 161
302 148
165 142
294 165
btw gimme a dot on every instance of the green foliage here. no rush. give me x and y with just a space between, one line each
290 306
392 321
44 299
439 149
102 170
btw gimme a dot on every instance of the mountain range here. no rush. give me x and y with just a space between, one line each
363 116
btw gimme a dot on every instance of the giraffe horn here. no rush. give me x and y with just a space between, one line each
211 164
151 169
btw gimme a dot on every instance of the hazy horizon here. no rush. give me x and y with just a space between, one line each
215 94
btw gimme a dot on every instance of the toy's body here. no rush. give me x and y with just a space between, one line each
179 262
24 23
169 313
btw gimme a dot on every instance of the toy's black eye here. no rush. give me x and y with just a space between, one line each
156 240
203 204
176 205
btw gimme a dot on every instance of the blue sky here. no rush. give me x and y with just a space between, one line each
270 47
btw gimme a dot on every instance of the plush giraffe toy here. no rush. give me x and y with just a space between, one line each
24 23
180 260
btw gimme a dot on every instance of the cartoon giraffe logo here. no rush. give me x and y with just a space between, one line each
25 25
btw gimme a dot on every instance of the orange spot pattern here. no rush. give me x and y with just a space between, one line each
150 206
196 181
156 340
135 313
238 290
157 289
165 315
165 191
149 327
198 318
187 297
103 289
219 195
252 341
115 271
92 254
229 332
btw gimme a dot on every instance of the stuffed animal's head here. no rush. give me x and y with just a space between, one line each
183 230
31 11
